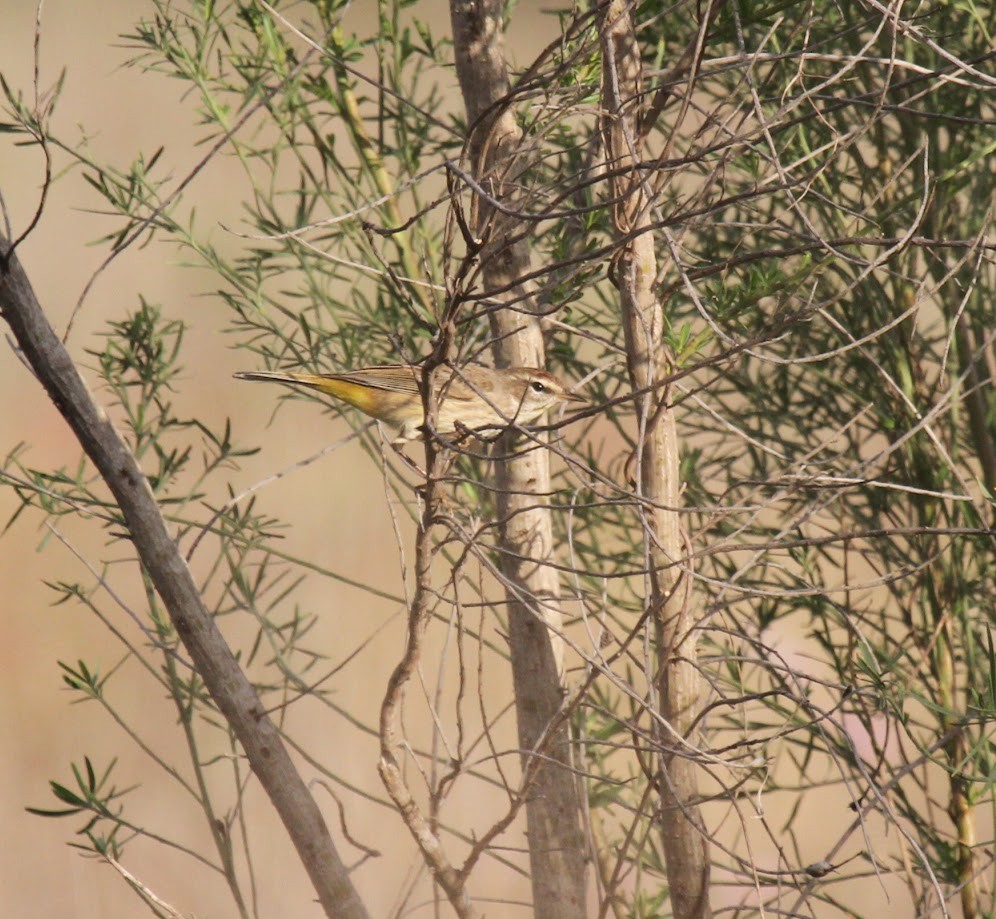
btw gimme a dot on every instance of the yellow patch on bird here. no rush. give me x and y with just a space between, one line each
362 397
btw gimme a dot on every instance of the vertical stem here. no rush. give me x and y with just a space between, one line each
946 577
370 156
678 686
392 747
556 841
959 805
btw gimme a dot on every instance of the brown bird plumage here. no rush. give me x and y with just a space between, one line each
471 397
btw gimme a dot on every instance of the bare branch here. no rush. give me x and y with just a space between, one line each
230 689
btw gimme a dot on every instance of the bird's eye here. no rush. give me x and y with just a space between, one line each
537 386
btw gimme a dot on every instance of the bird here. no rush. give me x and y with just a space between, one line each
472 397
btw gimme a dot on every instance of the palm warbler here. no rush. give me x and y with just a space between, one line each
470 397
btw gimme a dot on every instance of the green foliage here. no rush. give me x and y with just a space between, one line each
822 217
95 798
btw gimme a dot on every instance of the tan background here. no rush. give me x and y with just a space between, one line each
40 875
337 507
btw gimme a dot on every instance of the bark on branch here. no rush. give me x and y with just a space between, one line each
229 688
658 481
556 842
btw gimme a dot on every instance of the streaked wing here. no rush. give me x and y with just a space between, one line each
389 377
408 380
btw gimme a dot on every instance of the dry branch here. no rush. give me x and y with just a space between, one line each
556 842
160 556
657 467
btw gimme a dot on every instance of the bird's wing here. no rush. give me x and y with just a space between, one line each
408 380
389 377
465 384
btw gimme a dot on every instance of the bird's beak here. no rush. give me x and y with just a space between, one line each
577 397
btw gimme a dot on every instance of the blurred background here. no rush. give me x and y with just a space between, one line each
340 513
336 504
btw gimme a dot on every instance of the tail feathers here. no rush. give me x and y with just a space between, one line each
361 395
273 376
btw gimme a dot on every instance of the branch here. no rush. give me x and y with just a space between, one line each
212 658
526 544
657 460
392 745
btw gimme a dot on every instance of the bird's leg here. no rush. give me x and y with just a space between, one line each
409 430
405 435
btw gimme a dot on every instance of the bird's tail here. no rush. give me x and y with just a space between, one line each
358 395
